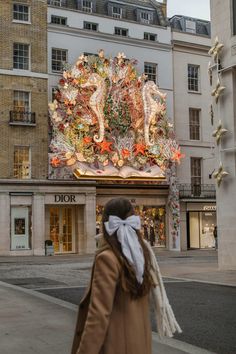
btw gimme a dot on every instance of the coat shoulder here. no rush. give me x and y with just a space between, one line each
108 257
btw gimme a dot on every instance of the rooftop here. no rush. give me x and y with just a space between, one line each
142 11
190 25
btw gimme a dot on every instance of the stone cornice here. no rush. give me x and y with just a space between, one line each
183 45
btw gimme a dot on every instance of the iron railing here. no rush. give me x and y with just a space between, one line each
202 191
25 118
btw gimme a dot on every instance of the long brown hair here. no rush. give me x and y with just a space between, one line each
122 208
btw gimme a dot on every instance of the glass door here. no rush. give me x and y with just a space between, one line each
62 229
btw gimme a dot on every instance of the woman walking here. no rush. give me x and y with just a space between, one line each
114 313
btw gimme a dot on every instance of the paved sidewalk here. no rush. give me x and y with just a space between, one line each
32 322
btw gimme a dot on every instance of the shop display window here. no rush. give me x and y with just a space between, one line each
152 221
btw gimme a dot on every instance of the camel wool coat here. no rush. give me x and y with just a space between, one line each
109 321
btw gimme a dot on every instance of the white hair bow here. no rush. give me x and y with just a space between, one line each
128 239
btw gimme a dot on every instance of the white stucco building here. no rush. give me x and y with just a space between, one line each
191 43
223 17
88 32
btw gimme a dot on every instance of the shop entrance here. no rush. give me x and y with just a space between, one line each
201 227
62 229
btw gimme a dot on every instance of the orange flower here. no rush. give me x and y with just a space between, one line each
139 149
105 146
125 153
55 162
87 140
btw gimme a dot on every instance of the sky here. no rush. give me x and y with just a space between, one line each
192 8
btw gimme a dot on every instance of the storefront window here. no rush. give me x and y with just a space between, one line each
21 228
201 227
208 223
152 221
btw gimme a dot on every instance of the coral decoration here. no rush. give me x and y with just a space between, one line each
108 118
174 205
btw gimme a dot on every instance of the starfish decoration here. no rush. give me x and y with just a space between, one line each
139 149
217 91
219 132
216 49
220 174
105 146
55 161
177 156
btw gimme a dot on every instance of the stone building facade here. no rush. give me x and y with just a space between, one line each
23 85
37 38
223 18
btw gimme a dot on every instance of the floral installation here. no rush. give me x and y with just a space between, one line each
174 206
105 115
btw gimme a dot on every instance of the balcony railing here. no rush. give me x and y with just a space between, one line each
22 118
197 191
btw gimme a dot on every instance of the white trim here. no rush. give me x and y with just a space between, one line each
19 72
22 22
29 14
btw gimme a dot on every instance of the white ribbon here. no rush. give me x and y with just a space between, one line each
128 239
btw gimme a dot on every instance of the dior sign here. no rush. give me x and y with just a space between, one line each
64 198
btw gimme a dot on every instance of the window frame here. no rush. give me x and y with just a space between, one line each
150 74
116 14
194 124
88 9
17 174
196 176
28 21
148 35
17 57
121 29
22 108
143 19
188 29
60 18
192 80
58 3
234 17
91 24
58 49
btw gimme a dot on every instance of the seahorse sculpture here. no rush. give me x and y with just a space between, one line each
151 107
97 102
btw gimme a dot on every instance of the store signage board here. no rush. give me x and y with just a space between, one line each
209 208
65 198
